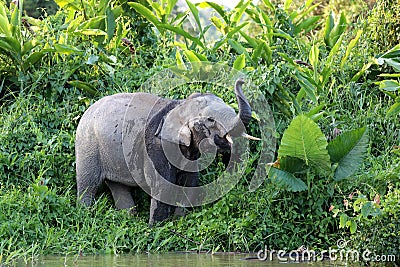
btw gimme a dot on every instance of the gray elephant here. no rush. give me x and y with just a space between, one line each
202 122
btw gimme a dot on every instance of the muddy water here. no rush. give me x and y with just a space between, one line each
167 260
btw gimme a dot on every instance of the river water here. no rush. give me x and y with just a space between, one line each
168 260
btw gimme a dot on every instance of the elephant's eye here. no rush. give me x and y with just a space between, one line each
210 119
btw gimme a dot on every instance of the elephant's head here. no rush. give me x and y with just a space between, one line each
205 117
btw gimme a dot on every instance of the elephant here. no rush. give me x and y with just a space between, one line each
196 124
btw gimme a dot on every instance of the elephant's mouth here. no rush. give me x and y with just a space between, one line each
224 144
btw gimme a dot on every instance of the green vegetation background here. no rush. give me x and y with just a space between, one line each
328 62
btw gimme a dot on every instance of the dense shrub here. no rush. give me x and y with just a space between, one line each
37 137
384 24
300 66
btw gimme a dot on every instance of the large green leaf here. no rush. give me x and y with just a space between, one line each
389 85
337 30
195 13
238 11
307 24
314 56
292 165
12 43
182 32
32 59
257 52
67 49
3 10
145 12
93 23
200 56
303 139
11 47
7 50
84 86
179 60
347 150
286 180
219 9
16 18
64 3
217 22
230 34
263 50
350 46
268 4
240 62
391 57
308 85
191 56
4 23
333 53
110 24
392 53
240 49
250 40
28 46
170 6
95 32
393 110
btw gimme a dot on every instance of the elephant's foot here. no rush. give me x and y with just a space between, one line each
86 197
159 211
179 212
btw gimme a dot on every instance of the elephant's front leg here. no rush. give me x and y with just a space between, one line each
122 196
159 211
156 175
187 179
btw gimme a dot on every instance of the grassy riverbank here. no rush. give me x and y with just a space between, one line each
331 67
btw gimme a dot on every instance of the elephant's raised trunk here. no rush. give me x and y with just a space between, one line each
244 115
243 104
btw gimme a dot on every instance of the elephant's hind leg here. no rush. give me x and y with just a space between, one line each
122 196
88 176
87 192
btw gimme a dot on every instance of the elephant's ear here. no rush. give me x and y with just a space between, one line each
174 128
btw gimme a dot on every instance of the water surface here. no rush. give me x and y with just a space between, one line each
169 260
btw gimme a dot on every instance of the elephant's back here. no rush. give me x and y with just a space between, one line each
116 105
109 112
114 128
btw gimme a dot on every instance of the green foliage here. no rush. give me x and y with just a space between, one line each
309 67
39 8
332 31
261 36
384 25
37 145
304 148
303 139
370 214
391 87
389 59
383 227
160 15
96 19
19 50
348 150
286 180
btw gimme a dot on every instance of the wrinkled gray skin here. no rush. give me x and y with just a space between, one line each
99 145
